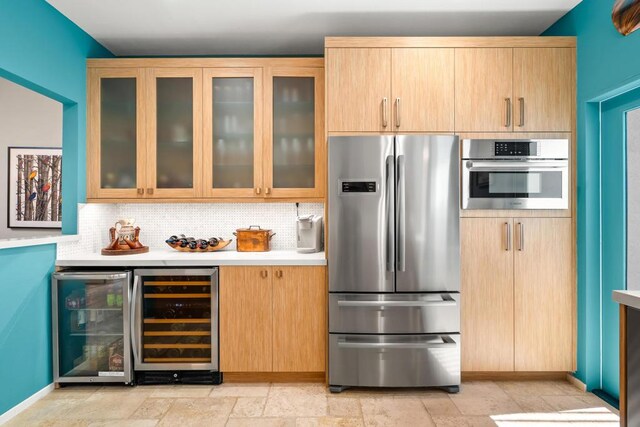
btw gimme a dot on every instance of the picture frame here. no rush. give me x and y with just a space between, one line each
626 16
34 187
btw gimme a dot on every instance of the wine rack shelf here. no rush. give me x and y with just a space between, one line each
177 320
174 296
185 283
177 346
177 359
177 333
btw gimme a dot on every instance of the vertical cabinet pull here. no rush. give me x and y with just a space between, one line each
258 190
150 191
521 239
279 274
397 112
140 191
507 237
521 101
384 113
267 191
507 102
264 274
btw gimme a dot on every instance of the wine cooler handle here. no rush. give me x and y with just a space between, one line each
134 320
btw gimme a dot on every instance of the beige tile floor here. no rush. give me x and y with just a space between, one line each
480 403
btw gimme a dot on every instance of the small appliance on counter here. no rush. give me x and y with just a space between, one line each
253 239
124 239
309 233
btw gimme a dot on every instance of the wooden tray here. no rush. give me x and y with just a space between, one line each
221 245
141 250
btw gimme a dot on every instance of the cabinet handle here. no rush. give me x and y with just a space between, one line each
140 191
508 237
508 108
150 191
264 274
258 190
521 239
267 190
384 113
279 274
521 101
397 112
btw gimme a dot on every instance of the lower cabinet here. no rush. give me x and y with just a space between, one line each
518 294
273 319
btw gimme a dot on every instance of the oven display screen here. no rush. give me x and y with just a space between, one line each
515 148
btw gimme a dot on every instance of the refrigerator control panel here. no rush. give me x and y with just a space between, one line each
359 187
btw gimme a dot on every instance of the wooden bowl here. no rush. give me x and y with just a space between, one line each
221 245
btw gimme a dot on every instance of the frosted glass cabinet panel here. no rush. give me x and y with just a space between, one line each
116 133
232 132
295 154
293 132
174 132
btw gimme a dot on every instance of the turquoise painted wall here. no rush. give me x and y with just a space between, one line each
608 65
44 51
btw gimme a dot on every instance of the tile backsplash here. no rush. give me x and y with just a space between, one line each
158 221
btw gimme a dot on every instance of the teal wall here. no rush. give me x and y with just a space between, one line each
44 51
608 66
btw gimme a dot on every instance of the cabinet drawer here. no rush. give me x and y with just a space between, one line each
394 360
394 313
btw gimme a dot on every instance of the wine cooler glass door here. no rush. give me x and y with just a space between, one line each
175 320
90 319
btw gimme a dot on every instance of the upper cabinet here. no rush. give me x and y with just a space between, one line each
515 90
358 90
390 90
116 152
450 84
484 89
543 89
230 129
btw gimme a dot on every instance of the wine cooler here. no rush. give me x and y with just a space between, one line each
91 340
174 325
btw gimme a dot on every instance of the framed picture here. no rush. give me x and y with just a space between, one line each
626 16
35 184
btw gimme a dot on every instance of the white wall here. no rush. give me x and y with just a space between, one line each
633 200
27 119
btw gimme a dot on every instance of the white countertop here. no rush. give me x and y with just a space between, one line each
172 258
629 298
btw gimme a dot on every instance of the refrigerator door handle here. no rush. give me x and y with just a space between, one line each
447 342
89 276
389 244
400 212
443 303
134 320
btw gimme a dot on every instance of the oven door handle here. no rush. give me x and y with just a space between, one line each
500 165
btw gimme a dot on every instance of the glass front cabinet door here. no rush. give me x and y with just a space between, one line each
174 140
91 339
232 156
294 134
116 149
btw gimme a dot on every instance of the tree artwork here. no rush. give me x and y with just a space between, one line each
35 183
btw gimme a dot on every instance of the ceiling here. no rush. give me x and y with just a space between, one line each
294 27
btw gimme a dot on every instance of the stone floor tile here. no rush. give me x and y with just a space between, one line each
204 411
531 388
124 423
104 407
485 404
152 408
261 422
241 390
461 421
329 421
44 410
248 407
344 407
532 404
440 406
394 412
295 403
178 391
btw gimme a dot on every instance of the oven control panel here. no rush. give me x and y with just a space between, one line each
515 148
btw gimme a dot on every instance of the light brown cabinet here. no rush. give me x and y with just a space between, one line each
518 311
272 319
211 129
515 89
389 90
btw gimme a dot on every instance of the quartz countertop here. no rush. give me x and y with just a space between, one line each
629 298
172 258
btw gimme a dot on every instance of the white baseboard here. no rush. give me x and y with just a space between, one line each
25 404
576 382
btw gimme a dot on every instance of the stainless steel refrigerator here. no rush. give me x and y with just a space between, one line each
394 261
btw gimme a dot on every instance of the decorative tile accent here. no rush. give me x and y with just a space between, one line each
158 221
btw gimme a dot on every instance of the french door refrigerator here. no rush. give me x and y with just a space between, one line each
394 261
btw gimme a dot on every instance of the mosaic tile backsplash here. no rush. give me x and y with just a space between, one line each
158 221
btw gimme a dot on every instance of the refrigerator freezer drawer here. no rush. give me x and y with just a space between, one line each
394 313
394 360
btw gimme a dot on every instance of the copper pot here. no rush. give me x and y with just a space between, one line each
253 239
